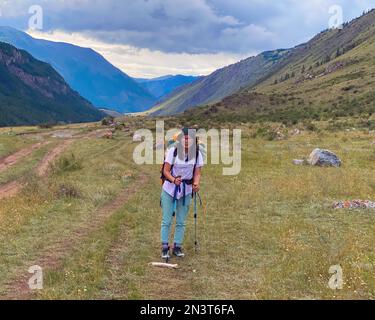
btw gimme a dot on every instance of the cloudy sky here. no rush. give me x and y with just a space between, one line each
149 38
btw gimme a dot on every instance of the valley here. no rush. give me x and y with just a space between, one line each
74 202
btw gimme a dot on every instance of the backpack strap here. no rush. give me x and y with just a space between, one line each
196 160
175 152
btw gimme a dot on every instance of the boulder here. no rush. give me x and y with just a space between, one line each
324 158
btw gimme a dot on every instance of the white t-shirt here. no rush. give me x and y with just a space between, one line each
181 168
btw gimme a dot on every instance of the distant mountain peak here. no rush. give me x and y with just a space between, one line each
86 71
162 86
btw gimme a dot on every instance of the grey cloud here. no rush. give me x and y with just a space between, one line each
194 26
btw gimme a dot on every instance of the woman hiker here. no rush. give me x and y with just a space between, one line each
182 174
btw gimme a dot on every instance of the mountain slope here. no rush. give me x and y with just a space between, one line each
86 72
330 76
320 51
162 86
221 83
32 92
333 77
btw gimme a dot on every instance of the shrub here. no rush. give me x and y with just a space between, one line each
68 191
271 135
310 126
47 125
67 164
120 126
107 121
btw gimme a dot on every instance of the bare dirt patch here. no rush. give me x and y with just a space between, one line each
63 134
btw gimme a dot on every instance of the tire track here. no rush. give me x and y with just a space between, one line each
11 189
14 158
54 254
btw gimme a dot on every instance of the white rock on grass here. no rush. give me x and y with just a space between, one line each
296 132
298 162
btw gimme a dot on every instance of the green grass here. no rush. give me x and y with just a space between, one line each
38 216
268 233
9 143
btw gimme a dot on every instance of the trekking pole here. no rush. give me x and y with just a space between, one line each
195 222
196 194
175 202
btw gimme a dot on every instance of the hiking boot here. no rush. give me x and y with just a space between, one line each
165 253
177 251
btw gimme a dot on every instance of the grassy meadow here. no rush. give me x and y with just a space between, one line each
267 233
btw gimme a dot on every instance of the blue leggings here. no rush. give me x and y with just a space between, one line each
181 214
